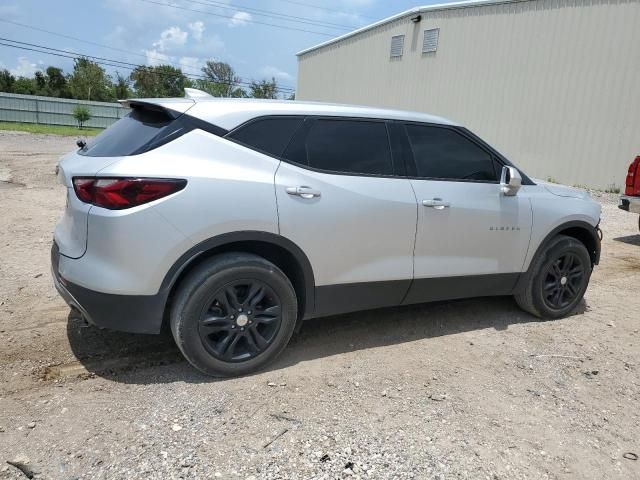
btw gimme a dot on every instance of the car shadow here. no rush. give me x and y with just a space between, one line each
127 358
629 239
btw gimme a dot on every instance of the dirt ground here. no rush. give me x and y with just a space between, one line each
470 389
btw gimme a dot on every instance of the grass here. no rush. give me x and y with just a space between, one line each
50 129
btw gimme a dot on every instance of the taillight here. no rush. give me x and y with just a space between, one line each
632 185
121 193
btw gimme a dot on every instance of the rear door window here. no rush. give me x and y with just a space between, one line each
130 135
269 135
345 146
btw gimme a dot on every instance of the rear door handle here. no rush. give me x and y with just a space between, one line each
303 192
436 203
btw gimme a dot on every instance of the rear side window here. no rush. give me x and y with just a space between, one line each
442 153
346 146
129 135
269 135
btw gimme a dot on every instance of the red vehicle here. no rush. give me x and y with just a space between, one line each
630 201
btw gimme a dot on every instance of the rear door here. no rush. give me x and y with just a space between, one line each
471 239
342 201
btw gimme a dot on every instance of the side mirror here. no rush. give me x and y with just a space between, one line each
510 181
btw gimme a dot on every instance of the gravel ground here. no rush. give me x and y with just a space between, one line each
468 389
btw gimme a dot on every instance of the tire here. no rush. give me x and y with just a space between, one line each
233 314
555 286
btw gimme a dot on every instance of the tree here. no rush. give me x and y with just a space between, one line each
82 115
219 91
221 80
40 83
240 93
89 81
6 81
159 81
264 89
57 83
24 86
121 87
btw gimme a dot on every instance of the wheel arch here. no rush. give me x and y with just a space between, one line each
582 231
279 250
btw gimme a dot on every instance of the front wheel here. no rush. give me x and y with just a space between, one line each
233 314
558 280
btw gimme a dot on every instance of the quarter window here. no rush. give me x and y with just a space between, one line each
444 154
270 135
348 146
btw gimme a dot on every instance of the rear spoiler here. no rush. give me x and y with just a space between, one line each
176 104
172 106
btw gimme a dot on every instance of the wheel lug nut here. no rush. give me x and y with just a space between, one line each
233 326
249 312
242 329
240 310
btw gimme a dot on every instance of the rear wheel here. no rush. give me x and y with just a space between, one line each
233 314
559 278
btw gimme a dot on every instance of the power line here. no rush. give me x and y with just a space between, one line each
272 14
88 42
59 54
73 54
113 63
146 57
285 27
278 89
326 9
124 64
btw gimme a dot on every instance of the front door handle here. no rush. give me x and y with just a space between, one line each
303 192
436 203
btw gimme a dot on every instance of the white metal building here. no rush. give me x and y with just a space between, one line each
552 84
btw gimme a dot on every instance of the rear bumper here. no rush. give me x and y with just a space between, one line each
125 313
629 204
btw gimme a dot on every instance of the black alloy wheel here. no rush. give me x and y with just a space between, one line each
233 314
241 321
557 278
563 281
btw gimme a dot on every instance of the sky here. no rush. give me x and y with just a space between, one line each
258 38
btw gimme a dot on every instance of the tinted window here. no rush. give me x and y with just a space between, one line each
129 135
270 135
444 153
349 146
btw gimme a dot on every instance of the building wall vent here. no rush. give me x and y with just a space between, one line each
397 46
430 41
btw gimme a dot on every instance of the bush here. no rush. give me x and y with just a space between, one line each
82 115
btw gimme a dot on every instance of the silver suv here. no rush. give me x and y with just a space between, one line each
233 220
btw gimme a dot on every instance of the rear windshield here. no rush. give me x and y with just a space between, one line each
132 134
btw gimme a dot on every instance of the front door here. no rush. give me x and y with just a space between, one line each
471 239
